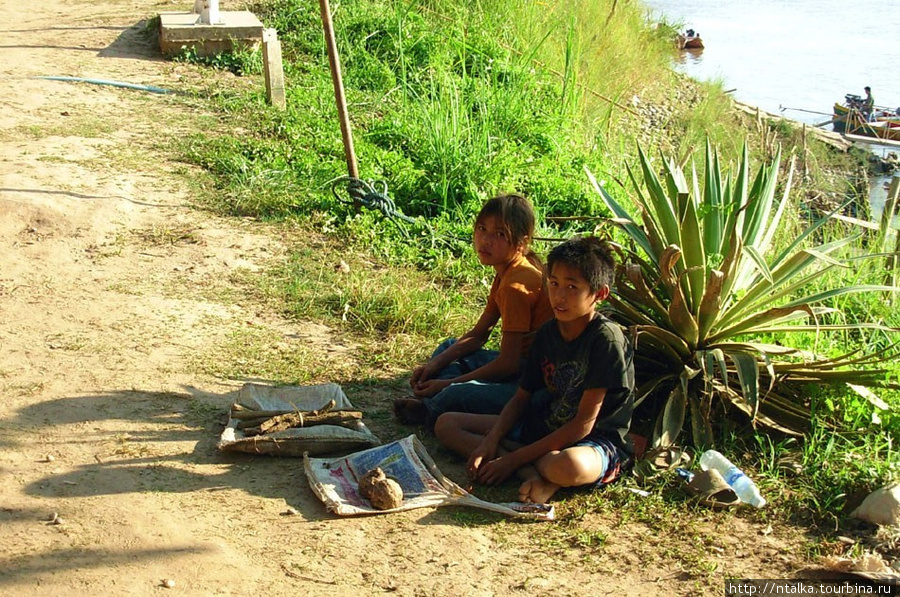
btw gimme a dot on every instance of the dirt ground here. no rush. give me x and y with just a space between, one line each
105 423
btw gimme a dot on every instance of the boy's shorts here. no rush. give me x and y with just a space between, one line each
612 458
527 432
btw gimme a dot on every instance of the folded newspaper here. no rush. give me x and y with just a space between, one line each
297 441
336 481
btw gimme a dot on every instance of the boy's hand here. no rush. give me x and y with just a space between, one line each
497 470
430 388
485 452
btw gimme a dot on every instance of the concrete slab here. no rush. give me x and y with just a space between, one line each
181 30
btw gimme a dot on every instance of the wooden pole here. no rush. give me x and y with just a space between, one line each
890 207
274 69
805 150
887 218
338 83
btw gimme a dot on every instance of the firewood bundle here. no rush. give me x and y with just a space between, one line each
263 422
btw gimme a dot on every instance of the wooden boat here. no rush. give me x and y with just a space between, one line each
689 40
691 43
849 120
881 114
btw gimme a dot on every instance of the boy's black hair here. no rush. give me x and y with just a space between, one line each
593 257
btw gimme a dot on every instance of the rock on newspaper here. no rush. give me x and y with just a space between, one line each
335 481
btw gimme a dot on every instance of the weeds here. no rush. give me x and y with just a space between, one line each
450 114
197 413
167 236
243 60
265 354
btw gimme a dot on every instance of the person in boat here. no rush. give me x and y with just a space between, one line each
868 108
690 33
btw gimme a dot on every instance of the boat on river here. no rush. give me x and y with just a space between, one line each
689 40
850 119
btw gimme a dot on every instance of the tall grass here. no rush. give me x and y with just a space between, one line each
451 102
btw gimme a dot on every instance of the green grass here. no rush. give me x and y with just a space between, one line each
448 114
89 127
243 60
262 353
366 298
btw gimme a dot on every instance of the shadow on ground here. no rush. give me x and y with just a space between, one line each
138 42
18 570
166 442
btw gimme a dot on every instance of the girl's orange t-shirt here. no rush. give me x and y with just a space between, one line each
519 296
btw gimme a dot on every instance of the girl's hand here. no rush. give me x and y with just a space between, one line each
497 470
430 388
419 375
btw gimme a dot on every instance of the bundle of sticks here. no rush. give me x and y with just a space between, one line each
261 422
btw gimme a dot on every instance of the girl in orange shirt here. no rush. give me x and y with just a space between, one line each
461 375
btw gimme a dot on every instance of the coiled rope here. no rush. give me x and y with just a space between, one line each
364 192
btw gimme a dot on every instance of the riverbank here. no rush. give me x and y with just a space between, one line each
833 169
830 138
132 315
117 294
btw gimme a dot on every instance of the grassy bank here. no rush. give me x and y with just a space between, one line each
452 102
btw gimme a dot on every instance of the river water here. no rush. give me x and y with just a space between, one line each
794 57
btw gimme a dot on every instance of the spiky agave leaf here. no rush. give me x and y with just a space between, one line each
709 282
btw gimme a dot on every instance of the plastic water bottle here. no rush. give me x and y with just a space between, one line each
743 486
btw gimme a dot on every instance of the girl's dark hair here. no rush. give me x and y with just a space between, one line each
516 215
592 256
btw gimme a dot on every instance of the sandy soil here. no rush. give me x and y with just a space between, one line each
104 421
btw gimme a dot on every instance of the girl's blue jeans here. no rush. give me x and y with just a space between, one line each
479 397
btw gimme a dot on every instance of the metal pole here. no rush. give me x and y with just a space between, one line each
783 108
335 63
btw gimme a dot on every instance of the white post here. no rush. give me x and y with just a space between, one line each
208 11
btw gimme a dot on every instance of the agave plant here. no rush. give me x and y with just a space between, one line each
704 280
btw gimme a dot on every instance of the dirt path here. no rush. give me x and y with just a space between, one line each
107 288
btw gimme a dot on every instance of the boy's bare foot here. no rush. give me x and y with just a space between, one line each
410 411
537 490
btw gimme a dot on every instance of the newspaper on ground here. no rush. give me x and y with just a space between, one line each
318 439
336 482
869 565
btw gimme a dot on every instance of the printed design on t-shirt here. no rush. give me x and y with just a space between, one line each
564 382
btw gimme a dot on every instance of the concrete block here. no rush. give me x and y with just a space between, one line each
179 30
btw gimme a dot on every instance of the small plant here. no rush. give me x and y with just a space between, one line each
242 60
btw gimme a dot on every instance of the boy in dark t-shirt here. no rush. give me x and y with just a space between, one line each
581 378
